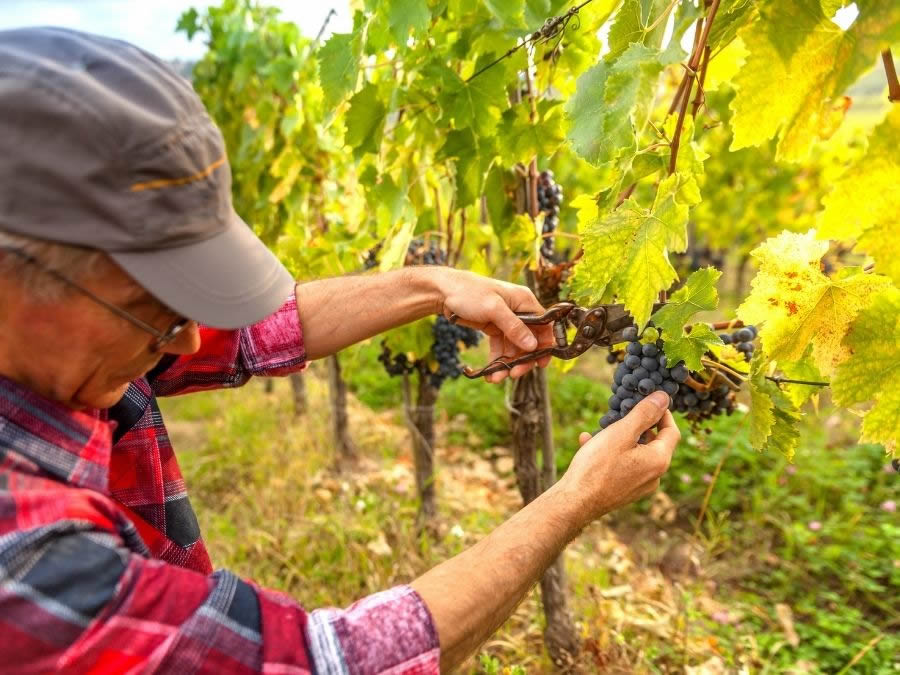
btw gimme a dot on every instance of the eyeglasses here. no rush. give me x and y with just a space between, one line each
162 339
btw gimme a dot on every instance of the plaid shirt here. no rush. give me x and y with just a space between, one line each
102 568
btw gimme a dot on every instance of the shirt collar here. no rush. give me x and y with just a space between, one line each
71 445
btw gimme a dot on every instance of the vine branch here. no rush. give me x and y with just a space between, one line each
331 13
891 72
684 92
785 380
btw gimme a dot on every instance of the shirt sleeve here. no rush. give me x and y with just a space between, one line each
228 358
75 603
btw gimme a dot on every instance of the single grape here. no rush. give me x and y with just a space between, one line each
634 348
650 364
630 334
614 402
646 387
657 377
640 373
743 335
691 400
632 361
649 350
680 373
670 387
726 338
627 406
630 381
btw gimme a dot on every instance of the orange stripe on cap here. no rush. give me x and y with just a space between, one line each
172 182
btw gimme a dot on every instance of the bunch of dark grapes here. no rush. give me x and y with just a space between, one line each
550 196
395 364
645 369
445 349
742 339
371 259
422 253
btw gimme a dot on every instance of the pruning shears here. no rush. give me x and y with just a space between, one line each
601 325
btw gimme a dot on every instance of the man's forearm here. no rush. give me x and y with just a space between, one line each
336 313
472 594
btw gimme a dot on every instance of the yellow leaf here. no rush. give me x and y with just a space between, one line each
796 304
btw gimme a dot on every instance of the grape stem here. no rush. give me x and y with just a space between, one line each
331 13
891 72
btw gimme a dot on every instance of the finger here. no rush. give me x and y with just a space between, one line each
644 415
515 331
583 438
668 435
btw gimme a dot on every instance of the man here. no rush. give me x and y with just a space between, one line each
126 275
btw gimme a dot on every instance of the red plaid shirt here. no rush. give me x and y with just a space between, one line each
102 568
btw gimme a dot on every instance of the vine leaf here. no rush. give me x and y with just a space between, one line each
509 12
611 104
699 294
474 156
865 200
365 121
872 373
632 23
796 304
520 139
338 67
407 15
805 369
626 251
787 86
773 417
473 104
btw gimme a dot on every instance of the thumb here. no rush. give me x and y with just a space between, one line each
645 414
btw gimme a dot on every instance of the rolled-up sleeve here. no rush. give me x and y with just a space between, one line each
77 603
228 358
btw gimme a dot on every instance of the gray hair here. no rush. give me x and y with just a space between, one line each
75 262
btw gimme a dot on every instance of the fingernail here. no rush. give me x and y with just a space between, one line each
660 399
531 343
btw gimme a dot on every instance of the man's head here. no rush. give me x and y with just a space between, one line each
76 327
112 172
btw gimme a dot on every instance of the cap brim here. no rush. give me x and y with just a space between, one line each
229 281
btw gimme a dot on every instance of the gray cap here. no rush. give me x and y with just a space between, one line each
103 145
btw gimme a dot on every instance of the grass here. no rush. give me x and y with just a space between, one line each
273 509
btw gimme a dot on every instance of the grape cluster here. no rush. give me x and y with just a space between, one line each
645 369
742 339
371 259
445 349
395 364
550 196
448 338
422 253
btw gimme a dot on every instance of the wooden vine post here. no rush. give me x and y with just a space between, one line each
420 419
532 423
337 394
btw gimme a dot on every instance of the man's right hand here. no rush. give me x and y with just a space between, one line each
613 468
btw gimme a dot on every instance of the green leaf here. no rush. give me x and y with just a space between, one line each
397 244
773 418
189 23
865 201
510 13
365 121
520 139
537 11
473 104
805 369
872 372
796 304
626 251
338 67
407 15
788 84
697 295
473 157
612 105
632 24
